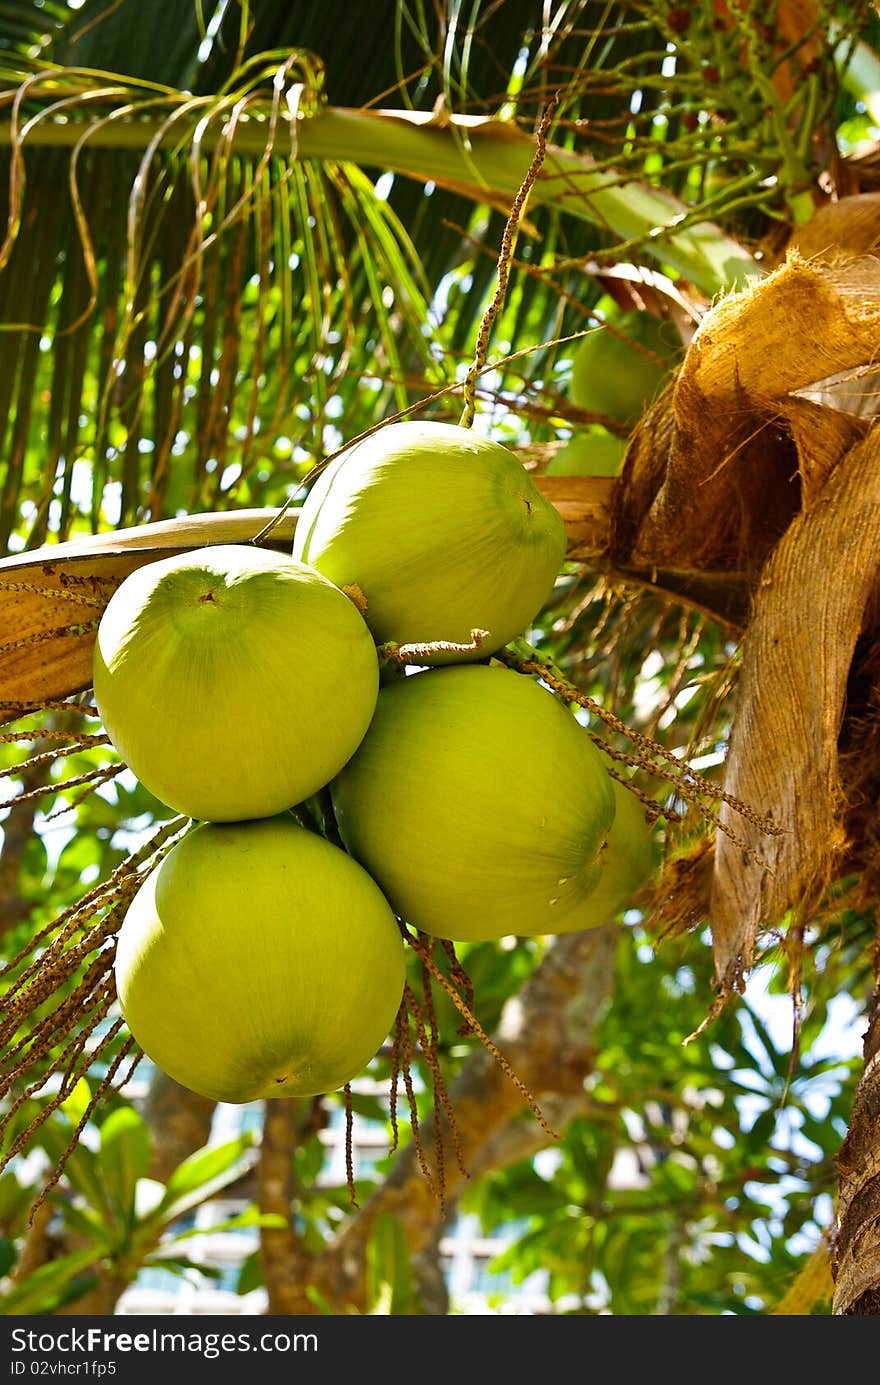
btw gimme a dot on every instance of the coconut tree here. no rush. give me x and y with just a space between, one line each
233 248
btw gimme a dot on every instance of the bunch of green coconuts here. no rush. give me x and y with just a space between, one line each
260 958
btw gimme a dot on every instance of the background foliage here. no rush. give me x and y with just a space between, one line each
190 319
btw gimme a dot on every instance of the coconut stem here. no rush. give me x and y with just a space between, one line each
508 241
391 652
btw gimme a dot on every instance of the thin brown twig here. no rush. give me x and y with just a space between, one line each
480 1032
508 240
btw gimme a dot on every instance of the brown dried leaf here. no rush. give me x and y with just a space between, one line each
847 227
808 613
51 598
740 463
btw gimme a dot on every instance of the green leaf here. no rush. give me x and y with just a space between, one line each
8 1255
76 1105
81 1169
89 1223
250 1276
124 1157
49 1287
201 1176
14 1199
251 1216
180 1265
389 1271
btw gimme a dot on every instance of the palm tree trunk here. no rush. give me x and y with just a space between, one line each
284 1261
856 1251
179 1122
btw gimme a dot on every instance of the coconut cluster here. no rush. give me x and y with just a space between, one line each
260 958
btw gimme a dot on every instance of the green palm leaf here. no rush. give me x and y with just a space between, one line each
193 226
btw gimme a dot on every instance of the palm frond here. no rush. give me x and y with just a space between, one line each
192 228
182 298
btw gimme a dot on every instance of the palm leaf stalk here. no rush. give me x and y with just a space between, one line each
482 159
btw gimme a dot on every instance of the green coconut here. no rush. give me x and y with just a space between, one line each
478 802
627 863
592 453
619 373
234 682
259 960
441 531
